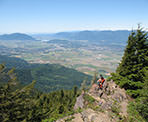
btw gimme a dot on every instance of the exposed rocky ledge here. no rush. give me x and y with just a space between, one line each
108 100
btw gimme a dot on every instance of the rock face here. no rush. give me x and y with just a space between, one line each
79 102
90 115
78 118
111 101
109 96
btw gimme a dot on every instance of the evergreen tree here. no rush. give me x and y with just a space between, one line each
134 60
132 72
62 93
16 104
61 109
27 104
75 89
128 59
142 104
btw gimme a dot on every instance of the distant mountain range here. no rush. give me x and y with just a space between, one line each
17 36
108 36
103 36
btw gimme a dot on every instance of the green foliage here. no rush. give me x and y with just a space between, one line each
49 77
27 104
142 101
134 59
16 105
115 108
134 115
89 98
132 74
69 119
49 120
75 90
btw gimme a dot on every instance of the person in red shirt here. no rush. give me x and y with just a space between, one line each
100 82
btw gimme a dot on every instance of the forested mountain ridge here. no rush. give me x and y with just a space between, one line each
13 62
49 77
16 36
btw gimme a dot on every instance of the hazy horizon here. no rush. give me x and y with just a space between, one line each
63 31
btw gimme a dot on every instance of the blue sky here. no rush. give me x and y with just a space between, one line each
47 16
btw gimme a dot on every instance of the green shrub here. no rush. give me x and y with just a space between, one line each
89 98
133 114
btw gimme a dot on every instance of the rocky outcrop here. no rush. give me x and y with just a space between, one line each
112 102
90 115
79 102
111 96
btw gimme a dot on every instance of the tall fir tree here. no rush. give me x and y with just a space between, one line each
134 59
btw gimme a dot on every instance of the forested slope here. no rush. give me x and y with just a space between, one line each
26 104
49 77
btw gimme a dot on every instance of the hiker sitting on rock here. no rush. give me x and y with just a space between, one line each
100 82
